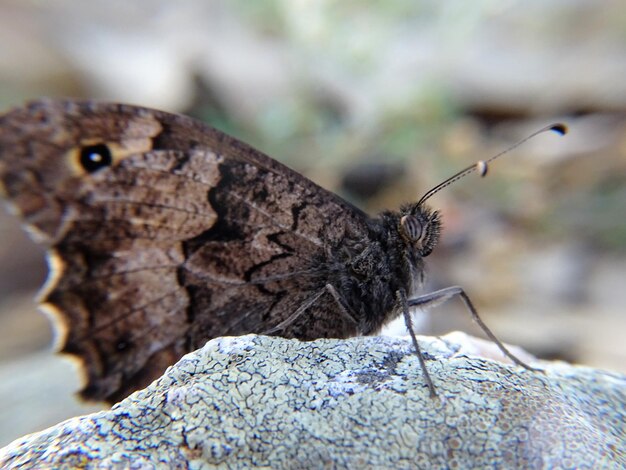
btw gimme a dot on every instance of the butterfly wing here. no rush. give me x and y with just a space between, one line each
164 233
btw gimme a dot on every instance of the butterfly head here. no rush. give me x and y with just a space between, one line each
419 227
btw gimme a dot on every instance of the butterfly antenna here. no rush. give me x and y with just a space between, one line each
482 166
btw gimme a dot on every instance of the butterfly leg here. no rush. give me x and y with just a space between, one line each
343 307
294 316
409 325
436 298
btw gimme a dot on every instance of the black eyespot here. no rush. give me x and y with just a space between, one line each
122 344
95 157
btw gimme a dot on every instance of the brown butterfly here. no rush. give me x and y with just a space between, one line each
164 233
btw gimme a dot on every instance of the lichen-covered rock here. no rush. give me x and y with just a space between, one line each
357 403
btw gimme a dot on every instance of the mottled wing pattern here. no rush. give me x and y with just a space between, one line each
188 234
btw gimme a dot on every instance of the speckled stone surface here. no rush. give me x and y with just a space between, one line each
358 403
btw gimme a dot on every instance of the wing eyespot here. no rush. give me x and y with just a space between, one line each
95 157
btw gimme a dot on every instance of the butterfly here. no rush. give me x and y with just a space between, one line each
163 233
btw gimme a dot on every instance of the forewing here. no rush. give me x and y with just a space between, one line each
188 234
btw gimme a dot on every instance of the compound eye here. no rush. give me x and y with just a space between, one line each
411 227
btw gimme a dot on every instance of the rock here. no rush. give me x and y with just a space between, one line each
277 403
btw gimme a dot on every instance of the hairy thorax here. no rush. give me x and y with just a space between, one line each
369 269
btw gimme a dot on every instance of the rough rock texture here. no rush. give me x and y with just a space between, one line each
271 402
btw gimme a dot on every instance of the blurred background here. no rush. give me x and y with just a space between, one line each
377 101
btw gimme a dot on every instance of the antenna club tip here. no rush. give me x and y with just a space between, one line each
482 168
559 128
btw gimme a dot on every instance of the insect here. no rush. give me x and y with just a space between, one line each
164 233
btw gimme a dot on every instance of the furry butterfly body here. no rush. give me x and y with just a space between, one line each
164 233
